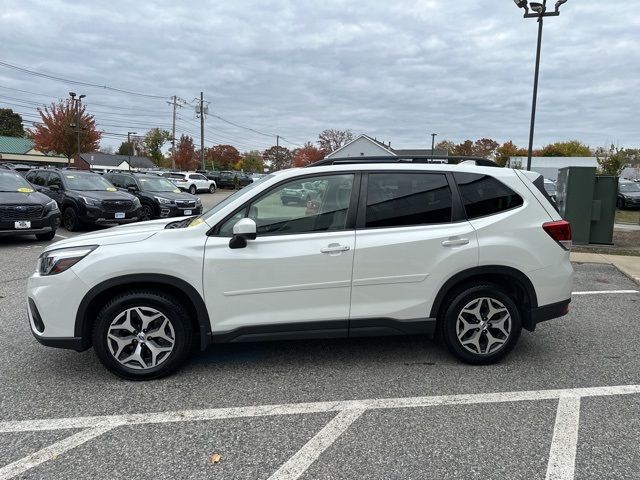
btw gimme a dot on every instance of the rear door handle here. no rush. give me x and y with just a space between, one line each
452 242
335 248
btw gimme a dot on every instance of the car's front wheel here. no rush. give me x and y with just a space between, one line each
193 190
147 212
70 219
142 335
481 325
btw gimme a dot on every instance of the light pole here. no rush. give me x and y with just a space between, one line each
78 103
539 12
433 142
130 147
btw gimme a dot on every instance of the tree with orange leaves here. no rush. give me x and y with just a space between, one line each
58 131
307 155
186 158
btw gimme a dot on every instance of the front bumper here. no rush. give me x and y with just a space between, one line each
98 216
38 225
167 211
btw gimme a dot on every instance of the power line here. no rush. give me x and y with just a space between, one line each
77 82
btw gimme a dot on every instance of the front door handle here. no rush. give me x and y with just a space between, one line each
453 242
335 248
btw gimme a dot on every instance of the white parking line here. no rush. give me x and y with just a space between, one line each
564 445
603 292
298 464
47 453
561 463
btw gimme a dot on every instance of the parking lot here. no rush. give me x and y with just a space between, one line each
565 404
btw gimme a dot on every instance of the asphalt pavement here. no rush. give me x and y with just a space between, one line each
559 406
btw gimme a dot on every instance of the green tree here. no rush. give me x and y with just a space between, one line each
572 148
252 162
613 160
153 142
10 123
125 148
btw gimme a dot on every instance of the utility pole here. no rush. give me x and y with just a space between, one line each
174 102
78 103
433 142
130 147
278 150
202 130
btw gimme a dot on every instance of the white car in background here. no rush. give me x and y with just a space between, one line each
192 182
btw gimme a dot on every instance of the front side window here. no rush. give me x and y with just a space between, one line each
406 199
483 195
318 204
54 179
41 178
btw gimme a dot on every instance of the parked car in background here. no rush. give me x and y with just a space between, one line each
23 211
159 197
85 198
299 193
473 255
192 182
628 194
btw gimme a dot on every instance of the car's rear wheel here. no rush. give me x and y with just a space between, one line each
46 236
193 190
70 219
212 189
142 335
481 325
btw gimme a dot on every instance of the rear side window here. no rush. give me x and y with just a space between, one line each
484 195
404 199
40 178
54 179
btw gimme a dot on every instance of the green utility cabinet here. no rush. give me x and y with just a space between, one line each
588 202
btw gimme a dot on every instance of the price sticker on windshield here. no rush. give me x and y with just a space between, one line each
25 190
111 189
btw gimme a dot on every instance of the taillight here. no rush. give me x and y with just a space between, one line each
560 231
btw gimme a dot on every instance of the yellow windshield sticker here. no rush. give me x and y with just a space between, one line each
195 222
111 189
25 190
177 190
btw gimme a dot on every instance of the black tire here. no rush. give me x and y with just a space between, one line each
147 212
620 204
172 310
70 219
448 328
193 190
46 236
212 188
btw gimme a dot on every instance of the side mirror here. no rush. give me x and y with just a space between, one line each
243 230
55 188
132 189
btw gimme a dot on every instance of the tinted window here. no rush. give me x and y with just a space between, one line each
115 179
319 204
54 179
484 195
128 182
402 199
41 178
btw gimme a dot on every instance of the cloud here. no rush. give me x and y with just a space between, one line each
395 70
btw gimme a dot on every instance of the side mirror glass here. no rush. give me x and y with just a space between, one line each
245 229
55 188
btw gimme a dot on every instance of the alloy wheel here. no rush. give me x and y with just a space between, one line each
483 326
141 338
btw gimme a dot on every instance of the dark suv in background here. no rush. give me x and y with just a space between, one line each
224 179
159 197
85 198
24 211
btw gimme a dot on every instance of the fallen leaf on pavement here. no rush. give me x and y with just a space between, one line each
215 458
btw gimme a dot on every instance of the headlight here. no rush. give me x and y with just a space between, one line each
51 206
136 202
57 261
198 201
163 200
90 201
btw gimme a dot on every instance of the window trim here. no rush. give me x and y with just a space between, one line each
457 209
464 210
351 212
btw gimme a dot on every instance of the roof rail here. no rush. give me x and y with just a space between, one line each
479 161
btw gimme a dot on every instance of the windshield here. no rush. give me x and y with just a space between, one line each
157 185
87 182
629 187
14 182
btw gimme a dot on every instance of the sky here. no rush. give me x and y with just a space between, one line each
395 70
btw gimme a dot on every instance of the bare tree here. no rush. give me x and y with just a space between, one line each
332 139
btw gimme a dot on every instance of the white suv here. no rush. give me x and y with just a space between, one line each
192 182
472 254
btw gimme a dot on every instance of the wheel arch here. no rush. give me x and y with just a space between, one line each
512 280
101 293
